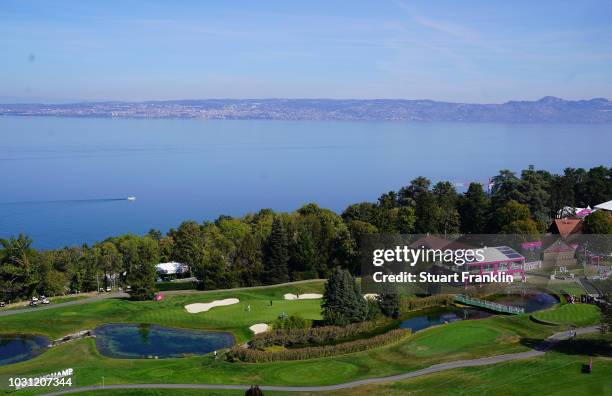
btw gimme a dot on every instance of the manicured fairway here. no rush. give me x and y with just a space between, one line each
571 314
454 341
171 312
458 340
552 374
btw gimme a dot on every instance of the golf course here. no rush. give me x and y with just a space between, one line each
459 340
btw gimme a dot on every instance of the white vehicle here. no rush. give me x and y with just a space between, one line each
45 301
101 290
108 289
34 298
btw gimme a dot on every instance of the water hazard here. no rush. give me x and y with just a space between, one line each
19 347
150 341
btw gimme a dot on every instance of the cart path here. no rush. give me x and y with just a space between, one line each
539 351
103 296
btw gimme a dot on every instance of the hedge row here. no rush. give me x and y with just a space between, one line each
166 286
311 336
257 356
417 303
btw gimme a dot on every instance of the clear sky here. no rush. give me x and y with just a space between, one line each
470 51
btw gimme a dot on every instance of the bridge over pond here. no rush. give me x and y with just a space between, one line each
490 305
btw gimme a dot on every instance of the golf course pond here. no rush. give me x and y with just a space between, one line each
19 347
142 341
420 320
535 301
437 316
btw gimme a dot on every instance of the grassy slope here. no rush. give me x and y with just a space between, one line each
571 314
552 374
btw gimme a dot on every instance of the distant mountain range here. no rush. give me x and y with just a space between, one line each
546 110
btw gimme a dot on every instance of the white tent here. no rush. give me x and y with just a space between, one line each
171 268
605 206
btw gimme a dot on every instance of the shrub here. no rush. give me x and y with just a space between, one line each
417 303
292 322
311 336
165 286
257 356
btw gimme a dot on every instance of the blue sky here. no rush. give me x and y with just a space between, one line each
470 51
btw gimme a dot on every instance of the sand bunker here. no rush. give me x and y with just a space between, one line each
305 296
259 328
203 307
370 296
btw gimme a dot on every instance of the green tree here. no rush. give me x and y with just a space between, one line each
534 188
598 222
277 257
388 200
407 196
16 273
506 187
474 210
428 214
247 262
515 218
389 304
304 258
342 299
141 275
596 186
188 246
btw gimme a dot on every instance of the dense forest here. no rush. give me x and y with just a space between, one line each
269 247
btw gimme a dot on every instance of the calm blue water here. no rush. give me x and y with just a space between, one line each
438 316
142 341
531 301
58 172
17 348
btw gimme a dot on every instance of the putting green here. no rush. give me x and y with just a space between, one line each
571 314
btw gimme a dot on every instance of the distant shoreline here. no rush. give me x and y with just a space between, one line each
546 110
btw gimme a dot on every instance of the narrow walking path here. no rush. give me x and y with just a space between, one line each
101 296
540 350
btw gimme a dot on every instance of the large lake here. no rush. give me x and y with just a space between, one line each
60 175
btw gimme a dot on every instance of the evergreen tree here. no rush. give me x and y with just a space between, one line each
506 187
428 214
247 263
342 299
277 257
407 196
534 188
474 209
142 274
16 272
304 256
389 304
